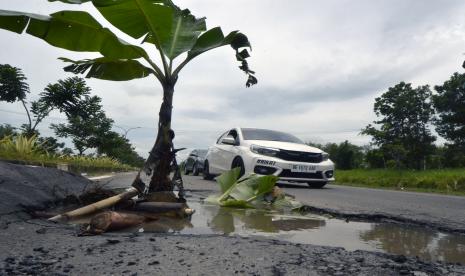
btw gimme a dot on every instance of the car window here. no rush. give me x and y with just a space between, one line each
233 133
269 135
221 137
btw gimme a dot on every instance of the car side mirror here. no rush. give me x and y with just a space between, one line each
229 140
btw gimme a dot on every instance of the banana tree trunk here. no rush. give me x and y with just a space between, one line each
161 155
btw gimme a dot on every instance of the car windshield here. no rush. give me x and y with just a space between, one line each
269 135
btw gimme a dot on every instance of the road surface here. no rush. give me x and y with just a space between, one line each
438 211
36 247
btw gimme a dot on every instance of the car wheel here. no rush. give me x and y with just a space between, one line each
237 162
195 170
186 171
317 185
206 172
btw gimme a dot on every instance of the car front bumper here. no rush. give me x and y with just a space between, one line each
264 165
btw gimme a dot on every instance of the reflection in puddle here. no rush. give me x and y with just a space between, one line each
426 244
318 230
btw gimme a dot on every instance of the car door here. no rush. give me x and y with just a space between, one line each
213 155
226 153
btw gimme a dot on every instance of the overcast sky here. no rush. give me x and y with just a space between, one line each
320 65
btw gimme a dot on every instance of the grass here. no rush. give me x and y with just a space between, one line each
25 150
444 181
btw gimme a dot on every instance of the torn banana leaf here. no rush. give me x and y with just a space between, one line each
252 191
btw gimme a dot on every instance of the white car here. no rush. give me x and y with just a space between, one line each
266 152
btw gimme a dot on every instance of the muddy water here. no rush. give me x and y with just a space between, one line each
313 229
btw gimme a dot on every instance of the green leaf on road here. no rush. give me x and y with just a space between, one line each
252 191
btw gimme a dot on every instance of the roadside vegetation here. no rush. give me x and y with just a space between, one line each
28 150
95 144
445 181
403 153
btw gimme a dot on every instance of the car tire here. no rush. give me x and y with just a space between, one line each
237 162
195 170
186 171
206 171
317 185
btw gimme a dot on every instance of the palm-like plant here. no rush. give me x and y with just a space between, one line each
173 31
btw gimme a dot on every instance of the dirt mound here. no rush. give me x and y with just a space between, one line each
28 187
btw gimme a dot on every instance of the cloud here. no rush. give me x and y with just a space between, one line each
320 64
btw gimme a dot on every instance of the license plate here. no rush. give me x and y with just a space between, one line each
303 168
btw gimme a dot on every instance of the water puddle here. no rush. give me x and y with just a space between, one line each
425 243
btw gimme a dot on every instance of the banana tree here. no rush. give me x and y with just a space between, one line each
174 33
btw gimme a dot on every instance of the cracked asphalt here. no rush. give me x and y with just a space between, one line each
35 247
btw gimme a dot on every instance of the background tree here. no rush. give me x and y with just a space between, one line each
374 158
13 87
346 155
449 103
50 144
173 31
86 120
87 124
7 130
114 145
84 133
403 134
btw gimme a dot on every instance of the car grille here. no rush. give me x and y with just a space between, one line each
289 173
300 156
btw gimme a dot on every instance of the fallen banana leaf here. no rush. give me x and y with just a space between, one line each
97 206
111 221
252 191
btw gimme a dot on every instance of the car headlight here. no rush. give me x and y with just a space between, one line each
325 156
264 150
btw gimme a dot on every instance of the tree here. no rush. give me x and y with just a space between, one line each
449 103
70 96
347 156
403 134
374 158
117 146
173 31
7 130
87 126
50 144
13 87
87 122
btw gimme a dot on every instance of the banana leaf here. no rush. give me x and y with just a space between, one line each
252 191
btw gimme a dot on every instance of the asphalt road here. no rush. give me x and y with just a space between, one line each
438 211
36 247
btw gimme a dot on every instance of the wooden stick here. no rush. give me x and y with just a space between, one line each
94 207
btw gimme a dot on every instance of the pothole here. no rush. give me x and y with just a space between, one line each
426 244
